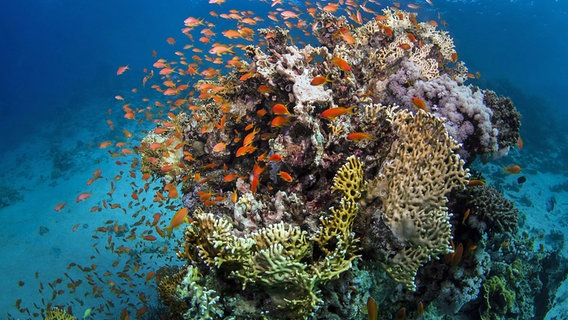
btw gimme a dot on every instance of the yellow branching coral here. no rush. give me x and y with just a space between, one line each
279 257
58 314
421 169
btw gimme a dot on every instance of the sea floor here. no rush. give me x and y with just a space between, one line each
38 245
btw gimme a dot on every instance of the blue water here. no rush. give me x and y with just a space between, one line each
58 79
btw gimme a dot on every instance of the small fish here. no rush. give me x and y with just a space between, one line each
275 157
372 309
121 70
87 313
454 56
280 109
358 136
179 218
264 89
285 176
522 180
333 113
60 206
221 146
465 216
279 121
419 103
83 196
171 41
520 143
320 80
342 64
220 49
404 46
514 169
475 182
230 177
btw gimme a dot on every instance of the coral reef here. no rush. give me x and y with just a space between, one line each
379 112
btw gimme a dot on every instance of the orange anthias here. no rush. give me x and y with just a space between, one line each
333 113
514 169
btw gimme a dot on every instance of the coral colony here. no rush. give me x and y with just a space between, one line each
331 181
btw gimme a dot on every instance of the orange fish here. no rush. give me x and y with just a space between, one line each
179 218
465 216
358 136
475 183
83 196
454 56
333 113
221 146
372 309
121 70
104 144
230 177
285 176
279 121
244 150
320 80
520 143
264 89
220 49
280 109
275 157
342 64
60 206
171 41
404 46
514 169
419 103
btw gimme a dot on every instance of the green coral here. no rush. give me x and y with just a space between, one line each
204 303
498 298
279 258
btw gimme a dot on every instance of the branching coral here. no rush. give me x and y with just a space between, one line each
276 257
58 314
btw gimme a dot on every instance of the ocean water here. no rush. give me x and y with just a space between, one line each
58 103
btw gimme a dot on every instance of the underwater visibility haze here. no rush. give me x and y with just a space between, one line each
281 159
